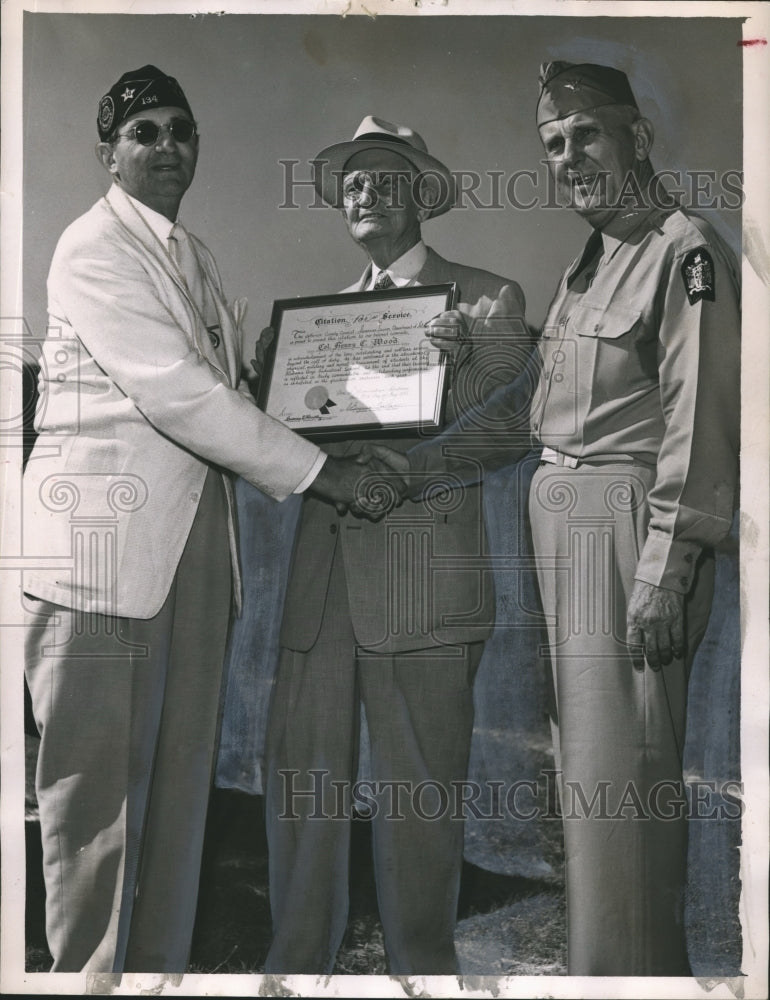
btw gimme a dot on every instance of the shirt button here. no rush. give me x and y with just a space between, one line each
596 328
195 497
333 529
688 557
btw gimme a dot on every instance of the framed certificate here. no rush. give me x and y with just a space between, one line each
357 363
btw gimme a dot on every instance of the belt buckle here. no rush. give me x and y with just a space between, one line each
550 456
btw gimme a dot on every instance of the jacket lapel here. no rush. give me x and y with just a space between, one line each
363 281
137 231
436 270
230 320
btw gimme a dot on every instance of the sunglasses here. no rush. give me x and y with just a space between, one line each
146 133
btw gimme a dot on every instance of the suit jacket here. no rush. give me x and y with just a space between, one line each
417 578
135 408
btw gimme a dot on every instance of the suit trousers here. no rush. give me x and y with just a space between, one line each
128 711
419 714
619 731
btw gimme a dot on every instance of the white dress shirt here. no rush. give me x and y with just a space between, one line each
404 270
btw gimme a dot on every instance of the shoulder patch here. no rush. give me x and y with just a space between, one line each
698 275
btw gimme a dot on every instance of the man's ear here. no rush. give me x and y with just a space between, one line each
105 154
644 135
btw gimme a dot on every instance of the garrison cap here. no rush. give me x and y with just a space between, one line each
569 87
136 91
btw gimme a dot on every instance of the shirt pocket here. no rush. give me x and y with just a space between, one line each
604 322
617 353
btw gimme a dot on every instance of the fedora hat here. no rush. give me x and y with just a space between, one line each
376 133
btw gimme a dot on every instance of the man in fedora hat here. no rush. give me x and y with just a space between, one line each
637 411
389 616
128 504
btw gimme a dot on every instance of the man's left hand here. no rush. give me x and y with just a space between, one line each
260 352
655 622
449 332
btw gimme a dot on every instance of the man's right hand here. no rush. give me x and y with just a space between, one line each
388 470
365 486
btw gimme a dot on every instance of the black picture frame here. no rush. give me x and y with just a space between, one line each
338 318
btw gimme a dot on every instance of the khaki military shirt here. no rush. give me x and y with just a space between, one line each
640 356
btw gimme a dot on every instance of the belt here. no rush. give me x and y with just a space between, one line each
553 457
549 456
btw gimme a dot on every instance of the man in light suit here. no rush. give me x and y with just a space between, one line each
128 506
389 615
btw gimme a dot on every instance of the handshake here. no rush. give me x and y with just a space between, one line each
374 481
369 484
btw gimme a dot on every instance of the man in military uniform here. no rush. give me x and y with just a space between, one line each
637 412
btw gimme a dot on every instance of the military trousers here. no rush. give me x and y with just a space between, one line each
419 715
128 711
618 731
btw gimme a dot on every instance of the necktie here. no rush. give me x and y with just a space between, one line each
187 263
175 250
384 280
188 268
584 273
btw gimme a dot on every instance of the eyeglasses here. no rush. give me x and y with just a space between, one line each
147 133
355 184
